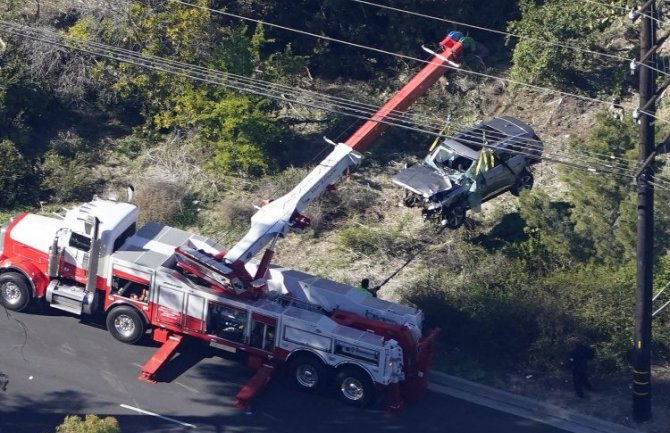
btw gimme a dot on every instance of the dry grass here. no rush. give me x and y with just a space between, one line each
611 401
161 201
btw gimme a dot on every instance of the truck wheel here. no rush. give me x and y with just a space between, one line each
453 217
14 291
307 373
354 387
125 324
525 180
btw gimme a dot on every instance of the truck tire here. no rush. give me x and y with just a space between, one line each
454 216
354 387
125 324
15 291
307 373
525 180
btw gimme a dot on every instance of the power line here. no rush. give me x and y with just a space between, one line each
490 30
163 65
345 104
520 147
594 161
403 56
611 6
513 35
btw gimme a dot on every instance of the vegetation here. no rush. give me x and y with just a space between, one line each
90 424
566 24
515 287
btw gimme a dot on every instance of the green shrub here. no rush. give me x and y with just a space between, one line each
16 176
90 424
565 23
66 179
360 239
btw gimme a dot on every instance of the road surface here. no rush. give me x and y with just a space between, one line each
59 365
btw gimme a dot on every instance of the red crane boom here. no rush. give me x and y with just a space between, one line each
361 140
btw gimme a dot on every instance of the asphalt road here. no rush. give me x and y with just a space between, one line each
58 365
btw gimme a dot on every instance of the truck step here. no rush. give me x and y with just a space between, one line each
66 297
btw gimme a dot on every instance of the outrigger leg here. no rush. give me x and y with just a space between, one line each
162 355
254 386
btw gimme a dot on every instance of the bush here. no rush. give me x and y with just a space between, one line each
565 23
66 179
66 169
161 201
233 214
70 145
90 424
15 176
361 240
491 318
496 312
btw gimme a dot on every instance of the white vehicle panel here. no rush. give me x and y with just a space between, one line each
37 231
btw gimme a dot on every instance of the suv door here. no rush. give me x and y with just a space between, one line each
494 177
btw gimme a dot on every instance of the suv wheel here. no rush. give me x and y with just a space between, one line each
525 180
454 216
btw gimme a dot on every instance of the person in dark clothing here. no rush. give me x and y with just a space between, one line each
365 286
578 361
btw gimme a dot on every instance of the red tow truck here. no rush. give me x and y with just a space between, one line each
175 285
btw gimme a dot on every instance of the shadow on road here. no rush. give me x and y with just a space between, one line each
189 355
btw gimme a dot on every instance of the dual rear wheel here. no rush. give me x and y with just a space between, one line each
352 385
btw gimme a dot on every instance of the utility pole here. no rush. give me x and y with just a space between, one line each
645 218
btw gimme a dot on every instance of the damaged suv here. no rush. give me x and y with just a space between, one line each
470 168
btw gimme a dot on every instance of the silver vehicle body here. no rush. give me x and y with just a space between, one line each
452 175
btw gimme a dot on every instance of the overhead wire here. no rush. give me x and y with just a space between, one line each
143 60
490 30
402 56
391 53
595 163
517 147
611 6
514 35
342 103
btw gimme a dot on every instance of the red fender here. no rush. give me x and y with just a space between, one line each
37 279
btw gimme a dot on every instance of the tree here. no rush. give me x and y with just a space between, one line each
602 203
565 23
232 131
369 25
90 424
596 223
